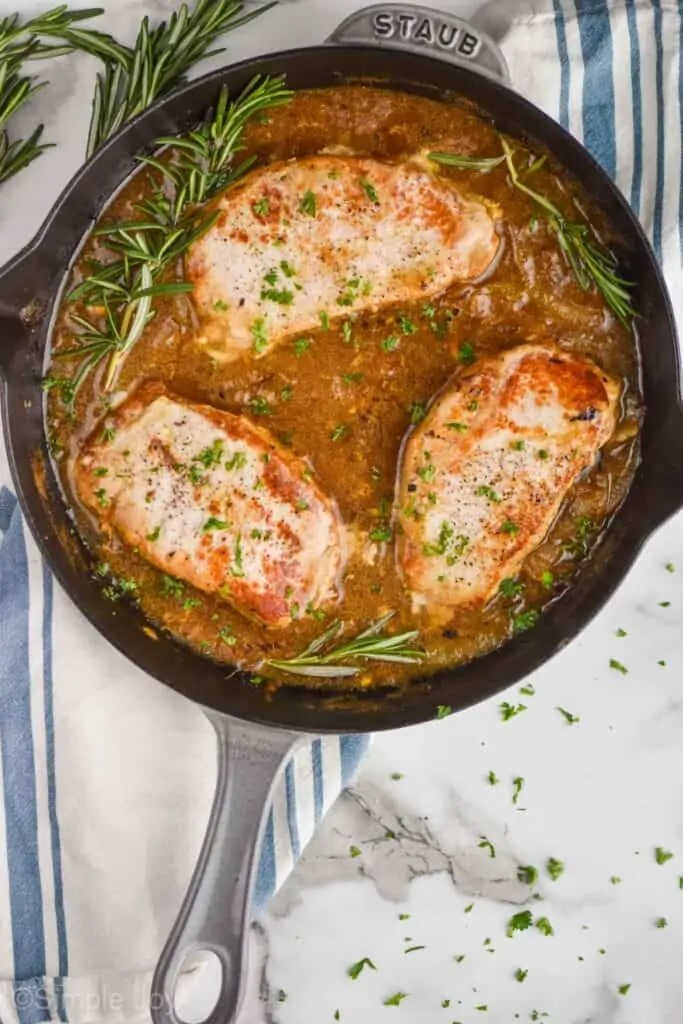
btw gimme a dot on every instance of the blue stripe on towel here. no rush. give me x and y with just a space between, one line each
290 792
595 34
18 766
318 790
62 948
351 749
659 80
266 879
562 53
637 102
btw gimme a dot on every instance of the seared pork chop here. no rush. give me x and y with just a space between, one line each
301 243
484 475
210 498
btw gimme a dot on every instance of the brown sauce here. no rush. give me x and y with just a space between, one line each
375 389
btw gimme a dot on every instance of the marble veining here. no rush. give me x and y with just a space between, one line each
441 843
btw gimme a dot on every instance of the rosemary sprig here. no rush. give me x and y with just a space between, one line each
15 90
120 292
25 41
321 660
591 262
474 163
158 62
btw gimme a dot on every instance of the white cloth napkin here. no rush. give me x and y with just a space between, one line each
106 777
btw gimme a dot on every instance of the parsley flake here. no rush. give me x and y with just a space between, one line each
370 191
396 999
308 204
662 856
519 923
508 711
617 666
492 778
261 207
567 715
443 710
555 868
518 784
527 874
302 345
358 967
486 844
544 926
520 975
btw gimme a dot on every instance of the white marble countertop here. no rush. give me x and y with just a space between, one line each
599 795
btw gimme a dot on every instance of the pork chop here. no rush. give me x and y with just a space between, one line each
485 473
210 498
305 242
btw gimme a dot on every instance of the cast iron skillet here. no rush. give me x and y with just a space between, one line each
441 56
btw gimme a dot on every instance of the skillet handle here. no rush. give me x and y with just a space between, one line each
424 29
216 911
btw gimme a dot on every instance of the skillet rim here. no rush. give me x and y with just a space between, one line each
492 673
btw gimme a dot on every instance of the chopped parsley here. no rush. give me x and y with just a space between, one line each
443 710
381 534
459 958
520 975
171 587
347 330
391 343
527 874
544 926
445 1003
354 851
417 412
517 446
518 784
282 296
615 880
662 856
488 492
287 268
324 320
547 579
670 567
261 207
227 636
455 425
555 868
525 620
509 527
302 345
519 923
486 844
397 776
370 191
191 602
259 336
661 922
623 989
427 473
220 306
286 393
510 587
413 949
260 406
352 378
214 524
406 325
237 461
528 690
358 967
493 779
617 666
664 604
108 434
210 456
100 471
238 568
308 204
508 711
195 476
396 999
466 354
102 497
569 718
541 454
154 535
339 432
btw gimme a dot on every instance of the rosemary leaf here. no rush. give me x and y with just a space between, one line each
470 163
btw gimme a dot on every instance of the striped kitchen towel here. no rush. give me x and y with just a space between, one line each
105 782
